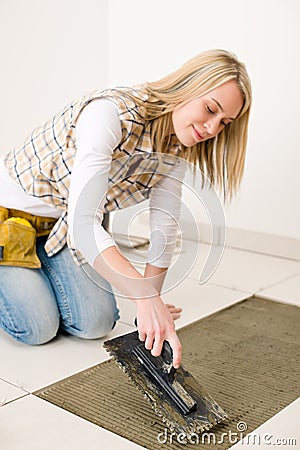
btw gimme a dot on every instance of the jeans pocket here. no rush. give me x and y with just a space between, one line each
18 244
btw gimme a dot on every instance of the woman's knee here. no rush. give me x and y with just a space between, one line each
28 311
38 333
97 319
89 309
101 326
30 330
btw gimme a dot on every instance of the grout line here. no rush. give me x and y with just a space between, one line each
16 385
278 282
270 255
246 250
240 289
15 400
232 288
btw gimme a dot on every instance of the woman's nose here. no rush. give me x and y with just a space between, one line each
212 127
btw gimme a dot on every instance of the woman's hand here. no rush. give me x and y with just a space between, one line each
155 322
174 311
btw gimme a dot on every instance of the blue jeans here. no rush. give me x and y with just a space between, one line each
35 303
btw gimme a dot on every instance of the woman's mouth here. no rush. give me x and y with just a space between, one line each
197 134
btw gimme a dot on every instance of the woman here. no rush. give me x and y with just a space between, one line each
106 151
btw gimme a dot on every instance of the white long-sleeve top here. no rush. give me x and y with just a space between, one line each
98 133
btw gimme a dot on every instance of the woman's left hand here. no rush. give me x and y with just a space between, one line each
174 311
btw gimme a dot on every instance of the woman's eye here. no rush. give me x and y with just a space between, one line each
210 110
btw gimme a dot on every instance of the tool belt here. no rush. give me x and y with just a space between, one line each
18 233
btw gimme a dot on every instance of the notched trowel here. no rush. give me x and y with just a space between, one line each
174 394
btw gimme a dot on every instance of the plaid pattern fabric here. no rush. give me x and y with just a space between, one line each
43 164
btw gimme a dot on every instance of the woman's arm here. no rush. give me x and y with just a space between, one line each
156 276
165 205
155 322
98 133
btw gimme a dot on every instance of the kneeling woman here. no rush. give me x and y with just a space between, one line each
103 152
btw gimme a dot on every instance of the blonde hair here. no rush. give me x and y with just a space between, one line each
221 158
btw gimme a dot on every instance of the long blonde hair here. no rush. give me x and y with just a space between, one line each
221 158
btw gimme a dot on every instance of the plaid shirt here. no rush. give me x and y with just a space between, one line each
43 164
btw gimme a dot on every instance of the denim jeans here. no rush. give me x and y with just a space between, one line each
36 303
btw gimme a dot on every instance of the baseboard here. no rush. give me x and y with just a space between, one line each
253 241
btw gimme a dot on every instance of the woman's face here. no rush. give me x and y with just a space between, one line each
204 117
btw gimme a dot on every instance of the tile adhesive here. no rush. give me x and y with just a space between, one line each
246 356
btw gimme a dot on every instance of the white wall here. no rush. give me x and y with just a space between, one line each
150 39
52 51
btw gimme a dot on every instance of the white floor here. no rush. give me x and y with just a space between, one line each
27 422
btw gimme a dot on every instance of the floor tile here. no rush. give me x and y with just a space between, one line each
247 271
276 432
34 367
287 292
198 301
29 422
232 268
189 260
32 423
8 393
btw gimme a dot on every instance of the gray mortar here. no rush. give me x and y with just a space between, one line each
246 356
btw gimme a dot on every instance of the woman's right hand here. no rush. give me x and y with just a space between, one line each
156 325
